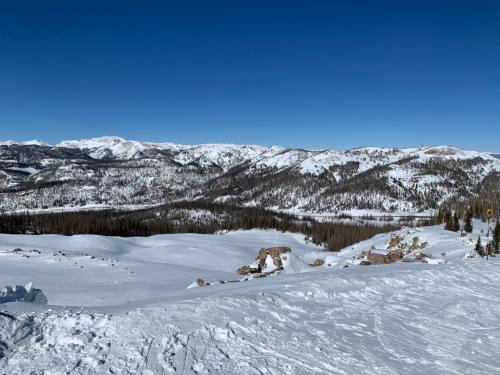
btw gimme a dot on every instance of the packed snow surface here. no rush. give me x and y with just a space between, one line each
137 317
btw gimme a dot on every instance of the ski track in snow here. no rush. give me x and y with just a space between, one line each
387 320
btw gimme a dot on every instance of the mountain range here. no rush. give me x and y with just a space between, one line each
111 171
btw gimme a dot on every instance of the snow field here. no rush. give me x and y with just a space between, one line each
137 317
396 319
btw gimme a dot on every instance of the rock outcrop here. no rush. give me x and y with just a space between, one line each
269 260
384 257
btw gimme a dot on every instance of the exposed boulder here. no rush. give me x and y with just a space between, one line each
268 261
318 262
201 283
376 256
245 270
275 254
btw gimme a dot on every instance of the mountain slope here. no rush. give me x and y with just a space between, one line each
113 171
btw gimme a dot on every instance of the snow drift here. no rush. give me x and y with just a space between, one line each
20 293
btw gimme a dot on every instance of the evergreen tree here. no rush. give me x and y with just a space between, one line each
479 247
468 221
440 216
496 236
455 223
448 221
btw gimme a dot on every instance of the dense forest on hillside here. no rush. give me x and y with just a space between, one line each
487 198
205 218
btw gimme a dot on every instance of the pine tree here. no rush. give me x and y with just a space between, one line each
440 216
448 221
496 236
479 247
468 221
455 223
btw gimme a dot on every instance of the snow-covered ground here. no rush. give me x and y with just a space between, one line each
128 309
123 273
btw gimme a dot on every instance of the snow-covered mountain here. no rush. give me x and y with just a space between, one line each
114 171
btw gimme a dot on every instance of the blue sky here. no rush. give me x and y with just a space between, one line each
318 74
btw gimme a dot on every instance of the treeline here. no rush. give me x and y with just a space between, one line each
487 197
336 236
186 218
451 219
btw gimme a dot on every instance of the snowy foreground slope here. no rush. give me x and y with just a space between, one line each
404 318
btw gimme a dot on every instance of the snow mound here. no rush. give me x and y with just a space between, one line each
15 293
293 264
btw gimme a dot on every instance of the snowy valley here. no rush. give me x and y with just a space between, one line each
224 286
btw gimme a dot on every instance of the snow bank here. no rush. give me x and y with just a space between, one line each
293 264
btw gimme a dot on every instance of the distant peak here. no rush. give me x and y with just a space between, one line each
93 141
444 150
32 142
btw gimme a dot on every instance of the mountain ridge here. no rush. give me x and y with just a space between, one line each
104 141
114 171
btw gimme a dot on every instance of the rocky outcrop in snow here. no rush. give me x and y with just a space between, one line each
273 260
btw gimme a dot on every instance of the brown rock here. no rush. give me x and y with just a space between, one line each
422 256
245 270
262 259
395 241
318 262
278 250
390 257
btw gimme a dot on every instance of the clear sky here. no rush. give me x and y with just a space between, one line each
318 74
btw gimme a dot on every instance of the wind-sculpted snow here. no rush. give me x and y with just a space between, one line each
123 273
112 171
15 293
384 320
133 314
